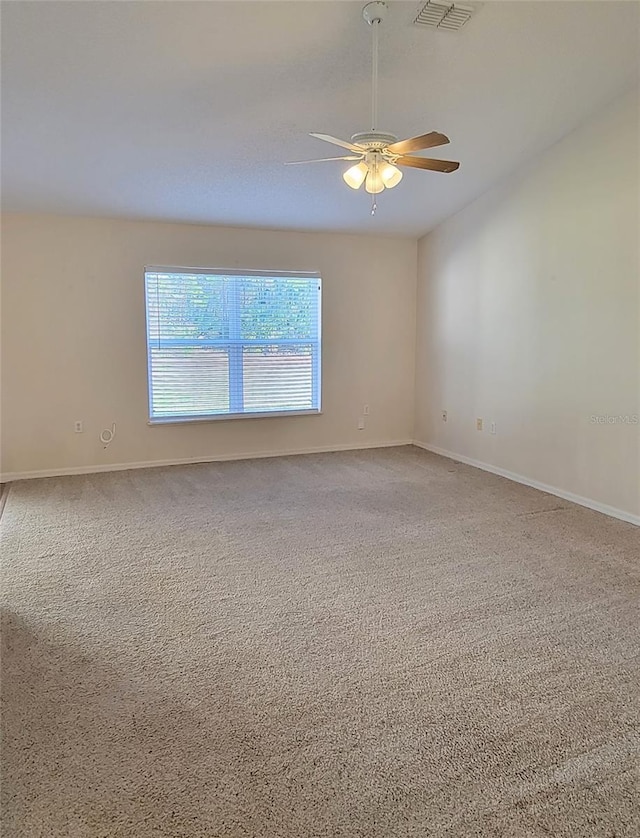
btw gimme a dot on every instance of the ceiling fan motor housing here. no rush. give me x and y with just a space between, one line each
373 140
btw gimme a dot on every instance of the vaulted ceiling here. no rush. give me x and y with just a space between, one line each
187 111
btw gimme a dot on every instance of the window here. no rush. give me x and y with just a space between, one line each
226 344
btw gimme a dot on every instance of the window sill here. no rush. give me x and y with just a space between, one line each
267 414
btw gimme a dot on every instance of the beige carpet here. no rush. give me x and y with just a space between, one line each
372 644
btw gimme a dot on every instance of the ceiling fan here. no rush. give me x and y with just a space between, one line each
378 155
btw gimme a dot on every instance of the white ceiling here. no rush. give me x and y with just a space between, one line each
187 111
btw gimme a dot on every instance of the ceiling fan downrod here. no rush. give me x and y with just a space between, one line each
374 13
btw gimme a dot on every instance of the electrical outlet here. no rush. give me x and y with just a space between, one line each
444 415
77 426
361 423
493 428
478 424
365 410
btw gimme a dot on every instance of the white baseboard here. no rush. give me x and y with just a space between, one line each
327 449
215 458
535 484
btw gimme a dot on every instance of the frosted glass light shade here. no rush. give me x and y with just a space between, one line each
391 175
354 177
374 183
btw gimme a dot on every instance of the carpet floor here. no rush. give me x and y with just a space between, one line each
378 644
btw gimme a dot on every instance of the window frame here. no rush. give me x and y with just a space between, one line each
217 417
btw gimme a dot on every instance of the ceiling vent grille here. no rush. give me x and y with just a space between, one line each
438 14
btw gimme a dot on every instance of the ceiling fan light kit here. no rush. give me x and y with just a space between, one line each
376 176
378 155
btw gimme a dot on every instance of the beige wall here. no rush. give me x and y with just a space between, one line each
528 316
73 340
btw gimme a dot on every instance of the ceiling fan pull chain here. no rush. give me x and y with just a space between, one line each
374 205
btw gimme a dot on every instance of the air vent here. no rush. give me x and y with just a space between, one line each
437 14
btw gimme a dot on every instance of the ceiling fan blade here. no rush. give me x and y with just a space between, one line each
428 163
321 160
336 141
430 140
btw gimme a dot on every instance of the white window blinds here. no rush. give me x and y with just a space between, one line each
225 344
